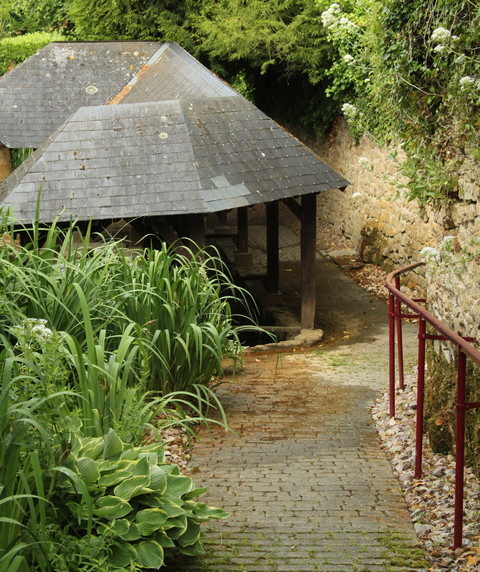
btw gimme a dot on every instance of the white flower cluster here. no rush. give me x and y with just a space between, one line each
447 244
430 254
349 110
34 329
330 16
441 35
467 82
364 162
348 59
332 20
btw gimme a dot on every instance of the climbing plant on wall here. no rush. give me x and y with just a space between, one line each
411 70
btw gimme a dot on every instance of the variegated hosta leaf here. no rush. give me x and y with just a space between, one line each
133 486
164 540
120 526
175 527
171 508
158 480
111 507
88 469
202 512
194 493
150 554
113 445
140 467
150 520
92 447
133 533
123 555
178 485
113 479
130 454
193 549
191 535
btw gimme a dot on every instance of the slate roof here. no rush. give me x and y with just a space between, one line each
172 73
175 139
39 94
194 155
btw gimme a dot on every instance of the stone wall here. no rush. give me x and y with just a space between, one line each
385 228
5 162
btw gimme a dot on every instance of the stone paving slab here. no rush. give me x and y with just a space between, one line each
305 481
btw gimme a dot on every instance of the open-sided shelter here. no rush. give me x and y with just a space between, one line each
172 145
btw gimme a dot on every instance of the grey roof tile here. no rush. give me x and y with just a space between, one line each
42 92
189 155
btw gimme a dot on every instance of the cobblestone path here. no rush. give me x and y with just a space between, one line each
305 480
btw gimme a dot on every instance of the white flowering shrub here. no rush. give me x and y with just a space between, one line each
44 357
450 258
441 35
365 163
421 85
350 69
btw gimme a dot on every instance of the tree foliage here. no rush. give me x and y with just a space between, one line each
134 20
15 50
409 67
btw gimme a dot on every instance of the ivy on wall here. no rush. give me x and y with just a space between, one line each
410 70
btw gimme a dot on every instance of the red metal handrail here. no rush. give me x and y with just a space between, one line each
465 350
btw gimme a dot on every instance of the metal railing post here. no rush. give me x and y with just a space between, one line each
459 449
420 397
465 350
398 311
391 352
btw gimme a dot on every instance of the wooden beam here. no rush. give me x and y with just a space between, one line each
272 247
242 229
293 206
308 251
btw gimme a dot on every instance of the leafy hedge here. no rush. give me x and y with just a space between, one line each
16 49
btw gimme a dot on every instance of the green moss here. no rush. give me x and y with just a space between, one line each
403 553
372 245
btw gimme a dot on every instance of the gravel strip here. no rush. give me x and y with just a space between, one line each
431 498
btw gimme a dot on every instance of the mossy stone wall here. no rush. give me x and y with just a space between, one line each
385 228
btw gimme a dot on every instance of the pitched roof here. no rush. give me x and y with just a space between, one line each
172 73
180 141
164 158
42 92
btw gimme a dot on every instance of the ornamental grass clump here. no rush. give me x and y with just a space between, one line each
96 344
177 307
181 305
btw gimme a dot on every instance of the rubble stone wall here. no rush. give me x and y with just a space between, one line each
5 162
385 228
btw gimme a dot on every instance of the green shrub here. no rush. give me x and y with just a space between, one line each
15 50
141 508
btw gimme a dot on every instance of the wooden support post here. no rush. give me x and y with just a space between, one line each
308 250
196 229
272 248
242 229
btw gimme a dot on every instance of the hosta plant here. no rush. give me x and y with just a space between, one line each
141 507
